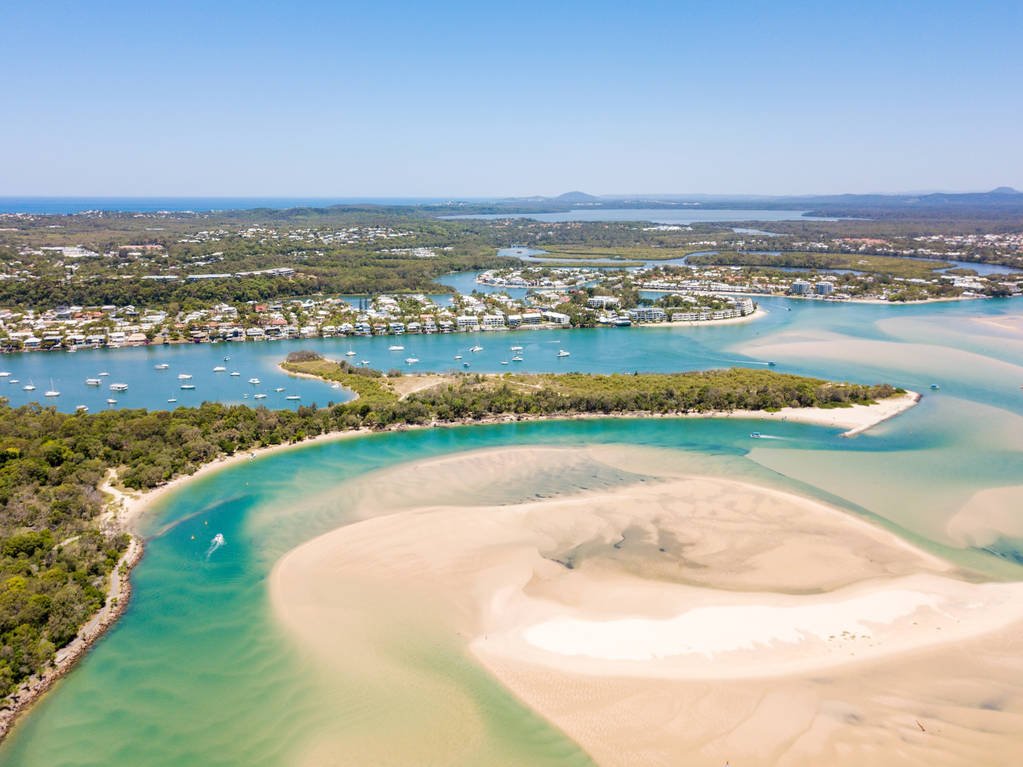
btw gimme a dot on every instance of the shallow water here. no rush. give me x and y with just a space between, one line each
198 671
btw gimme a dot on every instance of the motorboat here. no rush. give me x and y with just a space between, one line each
104 374
235 374
396 348
259 396
29 387
111 401
293 397
516 349
187 387
517 358
563 353
279 389
458 356
161 366
118 387
92 382
220 369
476 348
81 408
172 400
184 376
411 360
254 381
755 435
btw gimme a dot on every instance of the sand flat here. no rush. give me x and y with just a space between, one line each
695 619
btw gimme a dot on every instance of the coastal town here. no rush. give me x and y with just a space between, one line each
548 295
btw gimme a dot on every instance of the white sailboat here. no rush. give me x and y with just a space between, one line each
52 391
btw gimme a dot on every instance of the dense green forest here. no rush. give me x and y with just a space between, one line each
55 559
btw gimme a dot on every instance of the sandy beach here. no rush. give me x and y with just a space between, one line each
697 619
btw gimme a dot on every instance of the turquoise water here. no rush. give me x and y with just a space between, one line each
198 672
647 349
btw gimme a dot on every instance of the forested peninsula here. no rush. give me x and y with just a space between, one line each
58 550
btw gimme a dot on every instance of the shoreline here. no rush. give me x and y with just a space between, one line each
125 508
562 599
756 314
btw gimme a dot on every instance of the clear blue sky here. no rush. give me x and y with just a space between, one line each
475 99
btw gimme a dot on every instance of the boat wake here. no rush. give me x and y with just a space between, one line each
216 543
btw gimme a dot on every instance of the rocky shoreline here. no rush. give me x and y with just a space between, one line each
118 597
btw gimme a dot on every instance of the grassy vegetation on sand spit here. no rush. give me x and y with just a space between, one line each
56 555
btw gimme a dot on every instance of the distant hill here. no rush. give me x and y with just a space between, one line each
1005 190
576 197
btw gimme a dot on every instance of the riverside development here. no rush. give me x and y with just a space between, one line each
515 562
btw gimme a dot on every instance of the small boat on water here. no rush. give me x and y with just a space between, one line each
92 382
161 366
458 356
755 435
516 349
111 401
13 381
293 397
476 348
279 389
118 387
81 408
104 374
235 374
504 362
465 364
220 369
188 387
411 360
364 362
29 387
172 400
563 353
771 364
184 376
254 381
517 358
258 396
350 352
227 359
52 391
5 374
935 387
396 348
